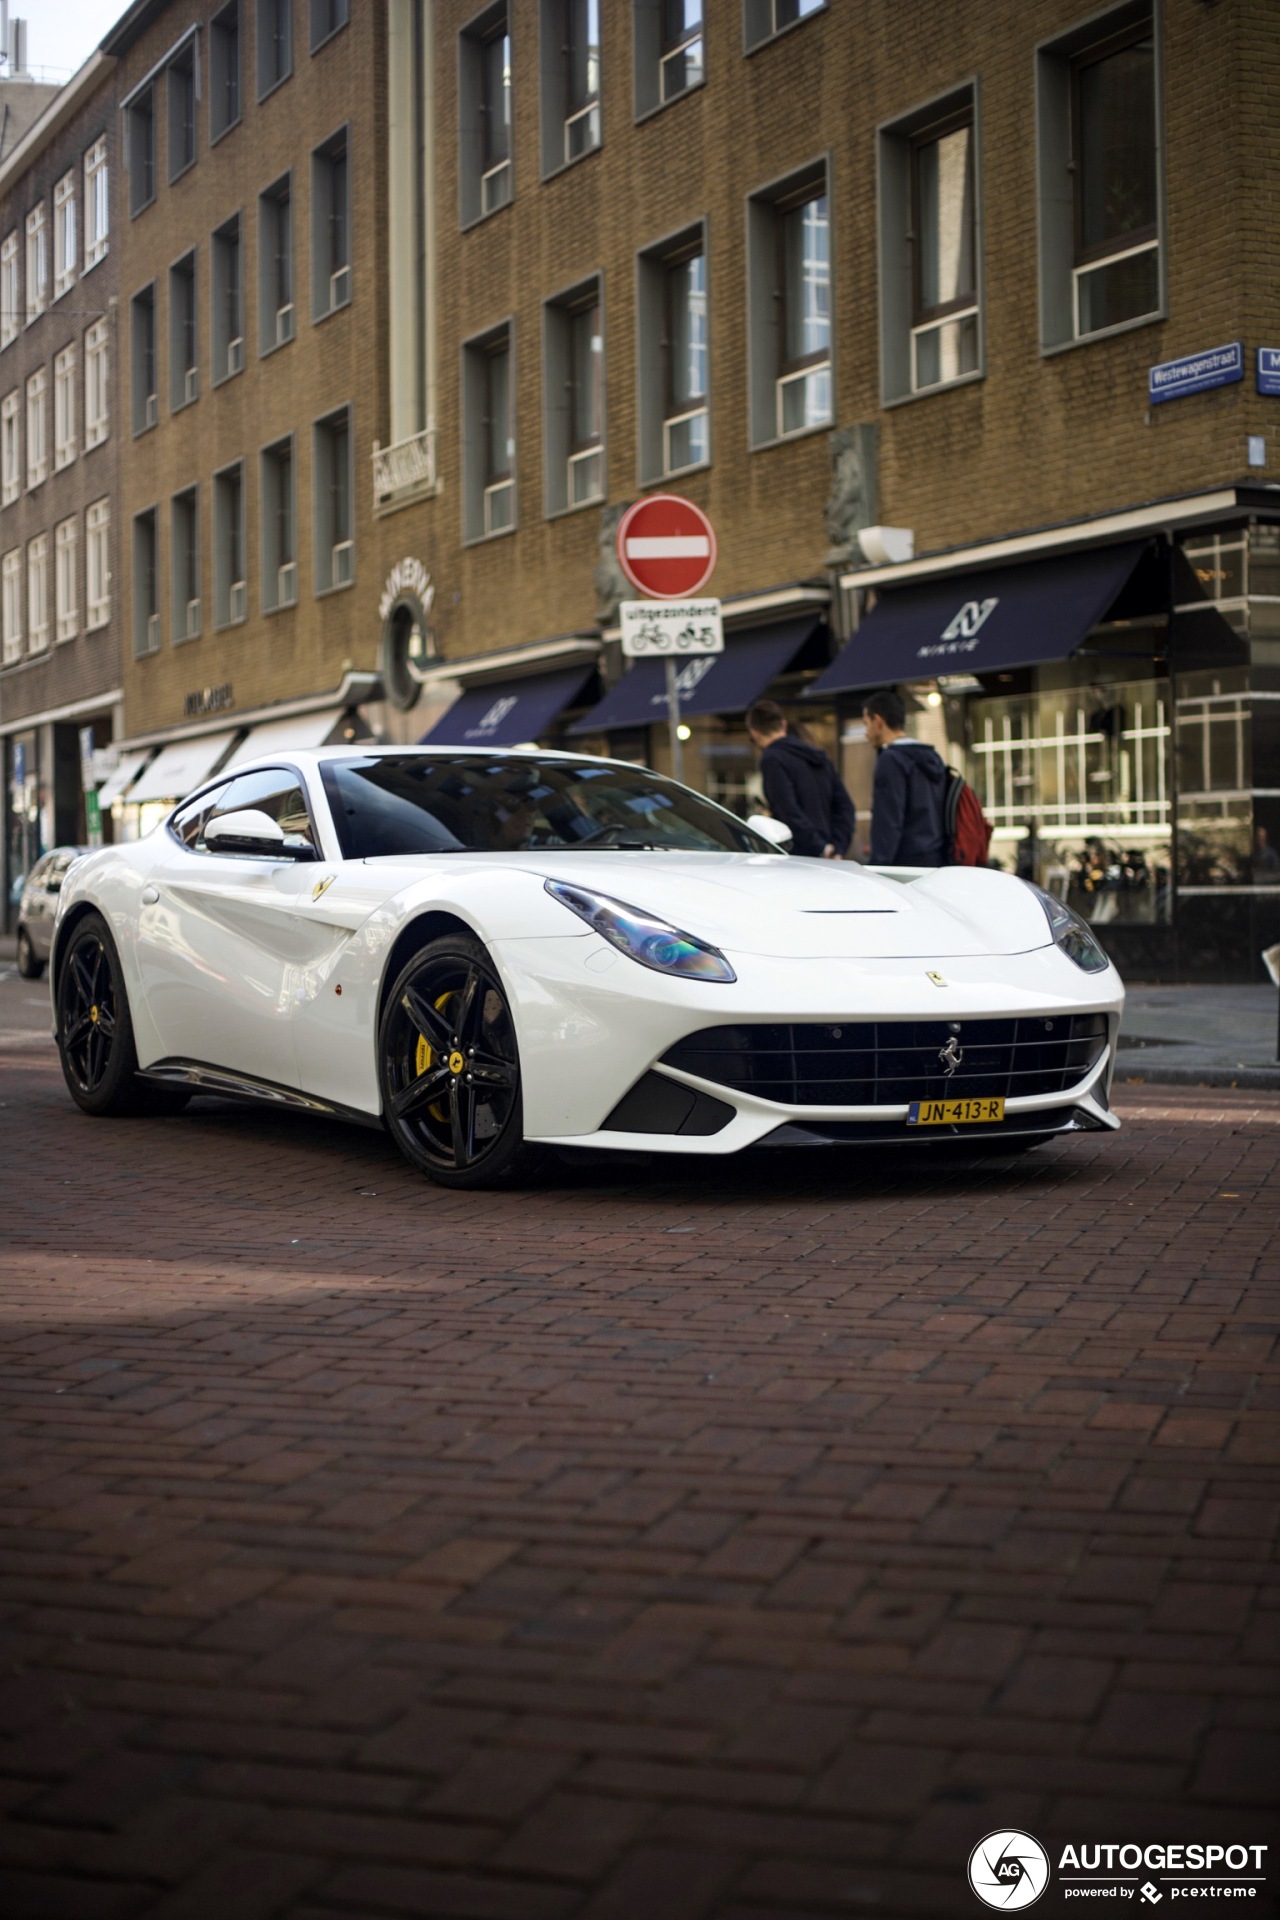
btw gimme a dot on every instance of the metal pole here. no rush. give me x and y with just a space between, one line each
673 720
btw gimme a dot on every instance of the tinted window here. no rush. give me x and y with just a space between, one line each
188 822
419 803
272 790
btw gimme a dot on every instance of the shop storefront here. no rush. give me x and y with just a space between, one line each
51 771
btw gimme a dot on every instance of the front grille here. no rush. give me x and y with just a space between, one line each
889 1063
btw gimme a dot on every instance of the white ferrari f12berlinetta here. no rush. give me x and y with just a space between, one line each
495 952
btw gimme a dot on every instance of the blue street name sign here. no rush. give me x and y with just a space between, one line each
1269 369
1217 367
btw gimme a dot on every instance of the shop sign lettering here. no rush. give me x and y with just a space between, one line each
207 700
407 576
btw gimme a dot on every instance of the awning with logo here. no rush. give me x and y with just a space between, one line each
1017 616
505 713
180 767
725 682
125 771
286 736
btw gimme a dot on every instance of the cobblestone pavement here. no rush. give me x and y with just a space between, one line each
735 1542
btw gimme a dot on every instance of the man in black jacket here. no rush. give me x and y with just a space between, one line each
802 787
907 800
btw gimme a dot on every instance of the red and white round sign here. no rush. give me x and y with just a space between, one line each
666 547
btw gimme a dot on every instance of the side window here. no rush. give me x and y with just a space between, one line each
188 822
273 791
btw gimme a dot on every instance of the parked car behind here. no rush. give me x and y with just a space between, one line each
38 908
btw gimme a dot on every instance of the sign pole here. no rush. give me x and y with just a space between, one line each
673 721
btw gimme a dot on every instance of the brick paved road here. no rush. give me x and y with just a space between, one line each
656 1546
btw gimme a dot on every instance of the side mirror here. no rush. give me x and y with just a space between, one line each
770 829
248 831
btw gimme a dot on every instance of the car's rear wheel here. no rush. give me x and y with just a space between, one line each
449 1067
30 966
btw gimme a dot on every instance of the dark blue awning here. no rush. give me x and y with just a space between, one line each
1017 616
725 682
506 712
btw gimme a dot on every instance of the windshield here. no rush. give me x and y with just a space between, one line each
429 803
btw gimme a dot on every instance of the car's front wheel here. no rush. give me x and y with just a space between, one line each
94 1029
449 1067
30 966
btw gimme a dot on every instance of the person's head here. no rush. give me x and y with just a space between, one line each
766 722
884 716
512 822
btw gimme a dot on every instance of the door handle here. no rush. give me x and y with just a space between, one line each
150 895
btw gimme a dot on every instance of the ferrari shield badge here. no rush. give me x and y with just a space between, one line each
936 978
325 880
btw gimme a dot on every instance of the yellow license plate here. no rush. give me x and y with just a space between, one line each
953 1113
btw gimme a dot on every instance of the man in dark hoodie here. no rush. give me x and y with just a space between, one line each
802 787
910 789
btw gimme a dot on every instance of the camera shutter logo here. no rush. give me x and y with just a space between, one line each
1008 1870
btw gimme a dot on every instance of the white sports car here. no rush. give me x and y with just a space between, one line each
490 952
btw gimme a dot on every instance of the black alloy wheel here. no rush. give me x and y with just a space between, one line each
29 966
449 1067
95 1032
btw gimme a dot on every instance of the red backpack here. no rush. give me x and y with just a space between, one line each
966 826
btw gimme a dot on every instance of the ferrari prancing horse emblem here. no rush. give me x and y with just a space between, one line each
326 880
950 1056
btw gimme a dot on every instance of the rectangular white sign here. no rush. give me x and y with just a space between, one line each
671 628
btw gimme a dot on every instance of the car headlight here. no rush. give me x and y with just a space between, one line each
639 935
1071 933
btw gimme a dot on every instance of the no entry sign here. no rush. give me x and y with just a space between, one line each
666 547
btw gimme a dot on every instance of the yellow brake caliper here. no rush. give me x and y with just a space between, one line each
426 1054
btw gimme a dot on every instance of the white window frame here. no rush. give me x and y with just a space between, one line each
66 581
10 291
10 447
97 564
37 428
38 593
37 262
65 238
11 595
97 204
97 392
64 407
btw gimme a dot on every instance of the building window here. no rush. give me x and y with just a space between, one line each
789 295
485 113
569 63
669 50
38 593
9 290
1101 192
574 386
97 204
66 581
97 559
37 263
10 448
331 499
146 609
929 247
182 111
184 365
140 133
275 44
37 428
275 265
11 575
327 16
64 408
489 488
279 555
184 564
765 18
330 227
673 416
224 71
64 235
142 335
230 588
96 387
228 302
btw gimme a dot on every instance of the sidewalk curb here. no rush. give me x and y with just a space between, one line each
1251 1079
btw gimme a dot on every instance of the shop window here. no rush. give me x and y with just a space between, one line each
146 561
10 295
569 64
674 366
37 428
669 51
182 111
789 307
275 265
763 19
327 18
279 553
331 503
228 302
97 564
484 72
10 448
66 579
330 227
489 488
140 136
224 71
65 241
38 593
573 330
37 263
145 401
184 564
230 586
275 44
97 204
11 579
184 370
929 247
64 408
96 385
1101 189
